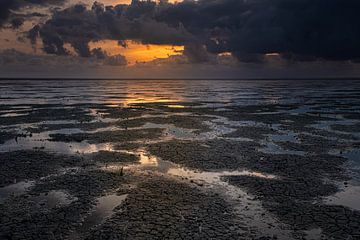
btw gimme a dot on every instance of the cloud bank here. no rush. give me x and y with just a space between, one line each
237 37
299 30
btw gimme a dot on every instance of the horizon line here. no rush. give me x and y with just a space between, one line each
240 79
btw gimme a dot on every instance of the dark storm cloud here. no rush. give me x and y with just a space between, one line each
7 6
299 30
328 29
12 57
78 26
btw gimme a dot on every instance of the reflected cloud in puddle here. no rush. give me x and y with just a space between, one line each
350 194
214 177
148 162
102 211
247 207
39 141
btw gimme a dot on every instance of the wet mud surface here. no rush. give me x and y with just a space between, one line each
198 160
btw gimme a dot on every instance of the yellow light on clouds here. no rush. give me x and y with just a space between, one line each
137 52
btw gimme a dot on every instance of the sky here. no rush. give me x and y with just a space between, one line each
180 39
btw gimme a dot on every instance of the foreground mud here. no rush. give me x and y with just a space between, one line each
237 162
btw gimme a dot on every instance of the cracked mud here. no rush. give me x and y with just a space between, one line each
246 163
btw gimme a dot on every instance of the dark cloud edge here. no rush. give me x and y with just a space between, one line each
299 30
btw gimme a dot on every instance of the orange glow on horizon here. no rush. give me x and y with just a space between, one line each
137 52
272 54
144 91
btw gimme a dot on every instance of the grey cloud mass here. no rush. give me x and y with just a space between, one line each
12 57
7 8
78 26
299 30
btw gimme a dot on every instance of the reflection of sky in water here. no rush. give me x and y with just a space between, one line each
103 210
349 197
254 216
60 147
349 193
148 162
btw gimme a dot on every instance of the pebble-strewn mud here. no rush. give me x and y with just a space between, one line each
196 160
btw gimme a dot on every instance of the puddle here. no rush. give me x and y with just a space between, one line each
171 131
240 139
14 114
102 211
272 148
53 199
348 197
61 147
175 106
39 141
149 162
326 125
15 189
215 177
100 116
351 154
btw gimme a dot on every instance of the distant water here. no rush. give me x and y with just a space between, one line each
216 92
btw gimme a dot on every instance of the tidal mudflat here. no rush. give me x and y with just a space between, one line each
179 160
